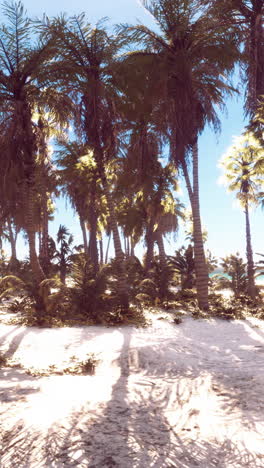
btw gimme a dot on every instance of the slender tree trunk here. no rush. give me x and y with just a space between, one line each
162 253
13 262
44 252
84 234
201 268
63 270
101 245
93 221
95 138
150 238
12 240
31 233
250 262
125 243
107 248
39 235
122 278
132 247
256 51
188 182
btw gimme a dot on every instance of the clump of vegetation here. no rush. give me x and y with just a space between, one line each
234 275
183 264
76 366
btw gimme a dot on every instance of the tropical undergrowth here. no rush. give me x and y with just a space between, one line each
91 297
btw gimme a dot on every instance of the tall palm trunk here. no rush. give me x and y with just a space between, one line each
122 278
250 262
97 140
150 239
84 234
44 252
63 270
93 221
107 248
255 52
162 253
27 151
132 247
93 248
201 269
13 262
31 231
101 247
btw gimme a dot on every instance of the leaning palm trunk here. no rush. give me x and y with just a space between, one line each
201 270
107 248
250 263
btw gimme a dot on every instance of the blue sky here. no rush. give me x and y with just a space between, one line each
223 221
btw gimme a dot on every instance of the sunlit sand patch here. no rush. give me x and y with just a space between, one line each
186 396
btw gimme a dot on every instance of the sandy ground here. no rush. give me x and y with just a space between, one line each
185 396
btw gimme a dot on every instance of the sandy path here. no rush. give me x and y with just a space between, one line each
168 396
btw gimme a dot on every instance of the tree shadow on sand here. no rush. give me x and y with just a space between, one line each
135 429
15 342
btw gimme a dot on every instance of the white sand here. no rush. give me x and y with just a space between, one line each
185 396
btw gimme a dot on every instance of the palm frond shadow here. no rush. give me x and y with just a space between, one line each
135 429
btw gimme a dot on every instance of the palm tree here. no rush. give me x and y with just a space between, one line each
86 58
240 176
77 174
25 70
183 264
246 19
190 57
65 240
236 269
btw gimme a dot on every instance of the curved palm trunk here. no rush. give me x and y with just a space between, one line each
250 262
201 269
